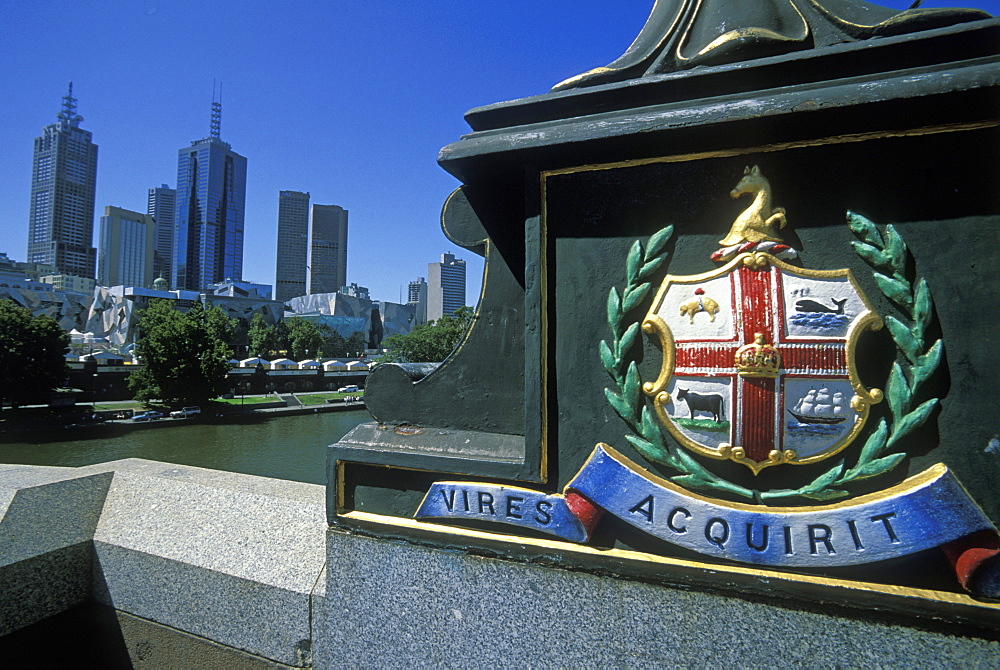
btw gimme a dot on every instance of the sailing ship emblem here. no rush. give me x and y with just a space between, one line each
770 378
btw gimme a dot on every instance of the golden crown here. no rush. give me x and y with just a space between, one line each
758 359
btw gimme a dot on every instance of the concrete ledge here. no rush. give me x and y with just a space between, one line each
231 558
47 520
413 605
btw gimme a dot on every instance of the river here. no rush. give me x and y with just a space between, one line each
289 447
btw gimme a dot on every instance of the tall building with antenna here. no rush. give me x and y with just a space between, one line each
208 215
63 183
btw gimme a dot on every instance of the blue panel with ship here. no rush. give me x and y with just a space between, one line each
817 413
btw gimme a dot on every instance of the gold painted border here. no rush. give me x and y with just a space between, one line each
653 324
639 558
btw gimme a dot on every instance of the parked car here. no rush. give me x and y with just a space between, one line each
347 389
185 412
147 416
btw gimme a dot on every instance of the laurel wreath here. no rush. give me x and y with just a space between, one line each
888 255
626 399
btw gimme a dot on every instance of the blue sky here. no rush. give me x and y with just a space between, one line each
347 100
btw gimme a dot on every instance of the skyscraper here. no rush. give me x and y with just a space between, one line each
160 205
208 217
126 248
327 264
445 286
292 250
416 295
63 181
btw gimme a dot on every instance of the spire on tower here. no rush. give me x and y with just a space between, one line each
215 128
68 114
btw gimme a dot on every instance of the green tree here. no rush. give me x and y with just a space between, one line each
333 344
262 337
32 354
304 339
184 356
431 342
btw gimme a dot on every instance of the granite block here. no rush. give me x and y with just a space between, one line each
239 613
392 603
45 509
233 558
44 585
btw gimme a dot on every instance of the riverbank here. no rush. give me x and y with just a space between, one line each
84 419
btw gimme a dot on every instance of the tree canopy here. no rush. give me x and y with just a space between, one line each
300 339
184 355
431 342
32 354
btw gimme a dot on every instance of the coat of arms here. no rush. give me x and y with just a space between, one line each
758 368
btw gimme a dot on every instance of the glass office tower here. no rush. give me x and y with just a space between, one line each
208 218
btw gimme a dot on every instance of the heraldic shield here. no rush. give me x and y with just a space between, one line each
758 361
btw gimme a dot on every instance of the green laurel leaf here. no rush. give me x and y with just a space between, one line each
653 452
864 229
873 447
632 263
826 494
912 421
628 339
898 391
649 267
922 307
650 431
894 289
607 358
825 479
633 389
634 296
658 240
904 338
618 404
925 366
871 255
895 248
614 310
879 466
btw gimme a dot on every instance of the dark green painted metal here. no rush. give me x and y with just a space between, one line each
902 130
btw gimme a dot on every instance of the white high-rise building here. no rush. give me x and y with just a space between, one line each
327 264
126 248
160 205
445 287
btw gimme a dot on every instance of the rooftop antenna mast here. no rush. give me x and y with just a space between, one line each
68 113
215 129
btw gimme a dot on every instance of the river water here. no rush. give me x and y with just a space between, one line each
289 447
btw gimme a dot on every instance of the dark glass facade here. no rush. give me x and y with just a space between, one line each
208 218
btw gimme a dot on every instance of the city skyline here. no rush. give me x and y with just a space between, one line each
341 116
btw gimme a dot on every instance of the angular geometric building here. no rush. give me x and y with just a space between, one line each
63 182
208 219
292 251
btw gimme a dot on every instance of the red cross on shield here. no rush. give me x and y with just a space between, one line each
758 361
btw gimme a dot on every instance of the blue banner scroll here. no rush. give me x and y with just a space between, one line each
927 510
513 505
